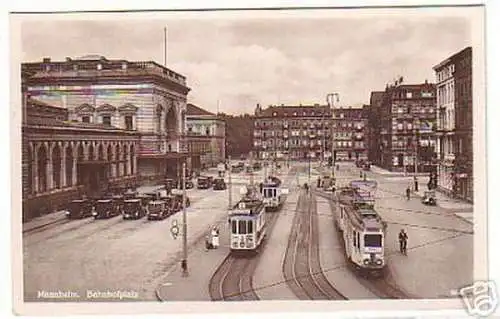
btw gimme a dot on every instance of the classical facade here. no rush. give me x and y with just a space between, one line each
292 132
64 159
407 120
454 124
142 97
350 133
206 136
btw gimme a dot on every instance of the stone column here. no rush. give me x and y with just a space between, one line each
63 177
74 176
49 170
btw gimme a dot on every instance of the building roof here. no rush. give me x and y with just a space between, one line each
300 110
376 96
467 50
196 110
42 114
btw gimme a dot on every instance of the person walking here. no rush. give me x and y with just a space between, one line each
408 193
403 241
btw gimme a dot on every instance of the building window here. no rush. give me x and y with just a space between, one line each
106 120
86 119
129 124
207 131
99 66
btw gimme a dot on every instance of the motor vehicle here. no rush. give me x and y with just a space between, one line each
157 209
133 209
146 198
79 208
429 198
177 199
106 208
204 182
257 166
236 169
130 194
219 184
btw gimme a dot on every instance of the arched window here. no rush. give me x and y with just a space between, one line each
110 159
125 157
81 157
56 166
29 177
91 152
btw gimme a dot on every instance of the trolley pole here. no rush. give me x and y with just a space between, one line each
416 153
229 182
184 264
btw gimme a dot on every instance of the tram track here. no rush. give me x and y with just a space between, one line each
382 287
233 279
301 265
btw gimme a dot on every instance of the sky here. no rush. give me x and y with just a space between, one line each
231 64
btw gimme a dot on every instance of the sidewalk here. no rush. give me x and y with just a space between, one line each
45 220
201 266
460 208
382 171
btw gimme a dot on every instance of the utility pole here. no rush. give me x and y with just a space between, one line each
229 182
330 99
184 264
416 153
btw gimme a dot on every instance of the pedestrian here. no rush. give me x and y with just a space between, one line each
360 174
215 237
364 176
408 191
416 183
319 182
403 241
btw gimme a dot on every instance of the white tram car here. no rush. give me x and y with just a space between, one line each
247 223
362 228
273 193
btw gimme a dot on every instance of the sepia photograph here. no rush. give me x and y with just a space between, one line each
210 157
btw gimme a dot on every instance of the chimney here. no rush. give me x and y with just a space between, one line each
46 60
426 82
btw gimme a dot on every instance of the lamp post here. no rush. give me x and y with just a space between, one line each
184 264
330 99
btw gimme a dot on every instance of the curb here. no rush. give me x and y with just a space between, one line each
450 210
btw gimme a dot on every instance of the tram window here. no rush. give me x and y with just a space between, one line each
274 192
242 227
354 238
250 227
373 240
358 240
233 227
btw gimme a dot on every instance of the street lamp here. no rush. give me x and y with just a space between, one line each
184 264
330 99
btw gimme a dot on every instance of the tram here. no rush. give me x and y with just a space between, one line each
362 228
247 222
273 193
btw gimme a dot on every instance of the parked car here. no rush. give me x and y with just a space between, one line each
177 201
79 208
157 209
219 184
133 209
204 182
106 208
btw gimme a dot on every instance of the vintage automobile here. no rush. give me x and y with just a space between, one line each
429 198
129 194
219 184
204 182
145 199
177 200
79 208
133 209
106 208
157 209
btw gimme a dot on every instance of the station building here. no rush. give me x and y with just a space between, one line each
143 98
64 159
